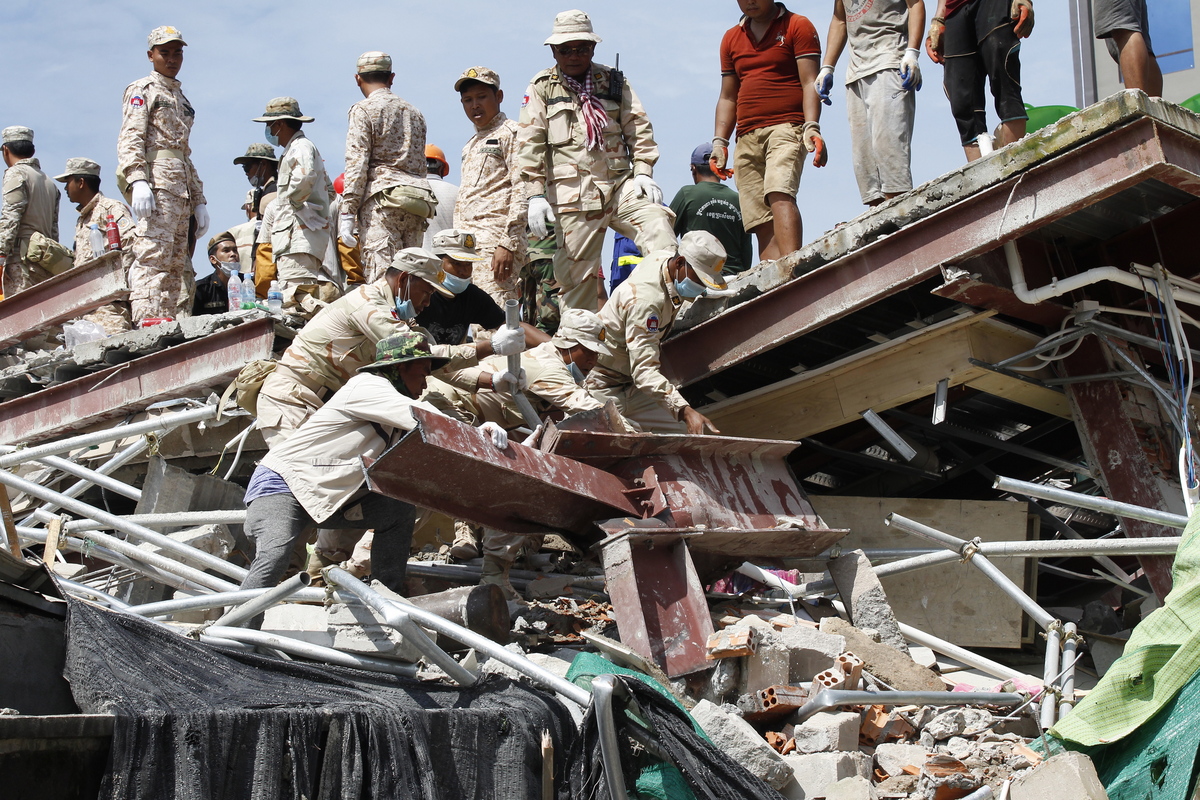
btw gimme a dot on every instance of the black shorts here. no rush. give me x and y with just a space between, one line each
979 44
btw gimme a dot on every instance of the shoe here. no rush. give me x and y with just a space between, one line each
495 572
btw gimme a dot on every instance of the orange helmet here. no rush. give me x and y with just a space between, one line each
434 153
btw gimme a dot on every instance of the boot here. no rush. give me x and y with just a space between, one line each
465 546
495 571
316 563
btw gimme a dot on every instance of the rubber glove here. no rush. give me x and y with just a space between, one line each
1022 17
719 158
508 342
815 144
201 215
648 189
143 199
508 383
498 435
933 42
540 213
824 84
346 230
910 70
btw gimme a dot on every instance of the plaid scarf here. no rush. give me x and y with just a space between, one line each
594 115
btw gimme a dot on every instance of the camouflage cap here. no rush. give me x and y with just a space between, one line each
163 34
400 348
283 108
78 166
16 133
481 74
223 236
259 151
457 244
425 265
578 326
706 255
374 61
572 26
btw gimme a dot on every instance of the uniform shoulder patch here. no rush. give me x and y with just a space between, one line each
525 100
137 101
652 323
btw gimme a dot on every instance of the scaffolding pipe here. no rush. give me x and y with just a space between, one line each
139 532
119 460
200 602
240 614
157 425
176 519
830 699
84 473
1049 701
88 592
610 745
1069 656
1101 504
314 652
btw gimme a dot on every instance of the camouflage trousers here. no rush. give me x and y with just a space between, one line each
20 275
382 232
581 240
506 547
303 294
113 318
161 279
539 296
646 412
483 277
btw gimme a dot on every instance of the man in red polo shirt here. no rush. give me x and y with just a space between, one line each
769 65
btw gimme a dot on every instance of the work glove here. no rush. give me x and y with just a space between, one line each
508 383
814 144
1022 17
346 230
824 84
647 188
540 213
933 42
498 435
910 70
143 199
720 158
508 341
201 215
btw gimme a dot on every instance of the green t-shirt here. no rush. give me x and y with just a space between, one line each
714 207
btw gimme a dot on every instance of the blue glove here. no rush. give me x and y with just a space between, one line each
910 70
824 84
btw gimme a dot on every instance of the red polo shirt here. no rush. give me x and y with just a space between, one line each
769 90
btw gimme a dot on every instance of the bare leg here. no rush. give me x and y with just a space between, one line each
972 151
1138 68
787 226
1010 131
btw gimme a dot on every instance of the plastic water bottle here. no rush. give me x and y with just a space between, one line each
96 240
112 234
275 298
249 296
234 290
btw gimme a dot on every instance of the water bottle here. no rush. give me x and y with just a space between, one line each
275 298
234 290
112 234
96 240
249 296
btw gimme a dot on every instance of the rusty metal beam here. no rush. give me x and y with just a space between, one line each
180 371
1141 150
65 296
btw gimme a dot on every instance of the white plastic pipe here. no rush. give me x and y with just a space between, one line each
1058 287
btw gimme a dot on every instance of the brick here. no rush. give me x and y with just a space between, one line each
1066 776
814 773
730 643
827 732
742 743
893 758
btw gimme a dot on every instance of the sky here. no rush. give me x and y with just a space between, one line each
66 65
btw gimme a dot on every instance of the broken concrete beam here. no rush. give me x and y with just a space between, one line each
827 732
730 643
892 757
1066 776
814 773
852 788
866 603
742 743
213 539
886 663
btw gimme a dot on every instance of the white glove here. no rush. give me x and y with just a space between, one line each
824 83
508 383
540 213
143 199
648 189
498 434
910 70
508 341
346 230
201 215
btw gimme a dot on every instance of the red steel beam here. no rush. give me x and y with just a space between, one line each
1136 152
65 296
180 371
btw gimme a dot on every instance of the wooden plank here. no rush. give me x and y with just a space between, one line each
9 523
954 601
53 531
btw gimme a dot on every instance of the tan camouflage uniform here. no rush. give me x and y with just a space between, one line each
589 190
491 203
301 231
153 146
114 317
30 204
385 147
636 319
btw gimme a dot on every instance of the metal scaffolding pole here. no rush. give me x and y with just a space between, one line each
1101 504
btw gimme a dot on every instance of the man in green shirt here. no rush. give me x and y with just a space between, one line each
709 205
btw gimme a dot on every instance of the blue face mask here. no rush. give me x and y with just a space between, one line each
576 372
405 310
455 284
689 289
272 139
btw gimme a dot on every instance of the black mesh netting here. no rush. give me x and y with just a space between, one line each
197 723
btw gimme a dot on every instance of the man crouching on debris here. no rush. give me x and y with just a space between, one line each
316 475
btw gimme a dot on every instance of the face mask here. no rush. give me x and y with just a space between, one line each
689 289
227 266
272 139
255 181
405 310
576 372
456 284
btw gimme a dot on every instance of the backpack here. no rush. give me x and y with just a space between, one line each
248 384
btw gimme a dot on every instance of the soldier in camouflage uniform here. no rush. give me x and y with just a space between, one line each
637 318
539 290
586 152
30 206
491 200
385 150
154 161
82 179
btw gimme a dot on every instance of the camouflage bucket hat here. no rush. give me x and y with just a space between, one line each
400 348
283 108
259 151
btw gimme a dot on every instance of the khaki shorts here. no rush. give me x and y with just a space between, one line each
767 160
